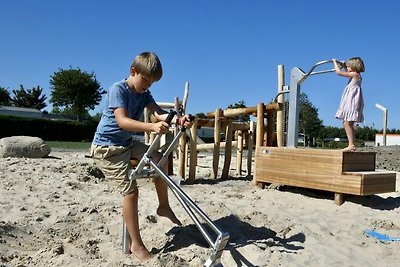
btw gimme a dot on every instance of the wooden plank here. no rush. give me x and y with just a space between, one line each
378 182
300 159
321 182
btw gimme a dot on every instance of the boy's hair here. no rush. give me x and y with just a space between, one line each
356 63
148 64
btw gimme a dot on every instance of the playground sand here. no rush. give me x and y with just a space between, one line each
54 212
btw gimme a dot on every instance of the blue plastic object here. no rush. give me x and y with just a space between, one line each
381 237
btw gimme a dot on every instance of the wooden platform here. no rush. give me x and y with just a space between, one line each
331 170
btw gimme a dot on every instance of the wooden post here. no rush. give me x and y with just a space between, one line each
228 149
182 145
279 114
217 141
250 145
239 152
270 129
182 148
193 152
185 97
177 108
260 125
339 200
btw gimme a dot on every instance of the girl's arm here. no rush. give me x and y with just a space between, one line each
348 74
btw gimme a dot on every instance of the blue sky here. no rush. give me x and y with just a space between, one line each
227 50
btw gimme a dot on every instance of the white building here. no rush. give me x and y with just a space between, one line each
391 139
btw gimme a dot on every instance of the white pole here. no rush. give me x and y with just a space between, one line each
385 113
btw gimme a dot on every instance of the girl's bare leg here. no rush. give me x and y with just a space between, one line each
349 129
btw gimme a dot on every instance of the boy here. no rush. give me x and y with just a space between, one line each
113 147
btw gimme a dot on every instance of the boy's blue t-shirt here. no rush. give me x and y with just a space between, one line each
120 95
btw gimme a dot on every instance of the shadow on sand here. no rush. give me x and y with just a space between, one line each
241 234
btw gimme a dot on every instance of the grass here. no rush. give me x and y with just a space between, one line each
68 145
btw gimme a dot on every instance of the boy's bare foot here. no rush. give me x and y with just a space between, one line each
168 213
141 253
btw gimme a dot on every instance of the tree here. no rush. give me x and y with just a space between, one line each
29 98
240 104
201 115
5 98
309 123
366 133
75 91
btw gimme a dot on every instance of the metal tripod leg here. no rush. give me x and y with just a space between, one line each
126 239
192 209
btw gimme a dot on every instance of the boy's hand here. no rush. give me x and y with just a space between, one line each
186 120
160 127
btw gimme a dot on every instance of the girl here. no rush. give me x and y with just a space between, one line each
352 102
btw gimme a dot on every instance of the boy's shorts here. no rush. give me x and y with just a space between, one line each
114 162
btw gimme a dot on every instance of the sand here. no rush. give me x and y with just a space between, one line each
55 212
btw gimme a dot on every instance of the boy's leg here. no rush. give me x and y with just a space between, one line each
164 209
131 217
115 164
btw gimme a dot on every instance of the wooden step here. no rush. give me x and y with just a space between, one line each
374 182
331 170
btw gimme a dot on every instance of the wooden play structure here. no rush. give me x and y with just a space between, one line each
277 158
223 119
330 170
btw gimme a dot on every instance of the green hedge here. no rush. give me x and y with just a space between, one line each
49 130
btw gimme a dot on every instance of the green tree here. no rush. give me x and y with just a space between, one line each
366 133
240 104
309 123
29 98
333 132
5 98
75 91
201 115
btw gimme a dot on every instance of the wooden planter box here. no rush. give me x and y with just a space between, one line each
331 170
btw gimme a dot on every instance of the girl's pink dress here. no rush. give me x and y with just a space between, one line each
352 102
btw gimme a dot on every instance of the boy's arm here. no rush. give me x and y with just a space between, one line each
158 112
161 115
128 124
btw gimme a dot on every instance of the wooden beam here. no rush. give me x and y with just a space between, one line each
234 112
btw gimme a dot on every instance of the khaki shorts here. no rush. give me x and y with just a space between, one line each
114 162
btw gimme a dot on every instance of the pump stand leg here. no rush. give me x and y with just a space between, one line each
126 239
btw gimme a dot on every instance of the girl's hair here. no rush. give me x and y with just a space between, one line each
148 64
356 63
